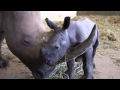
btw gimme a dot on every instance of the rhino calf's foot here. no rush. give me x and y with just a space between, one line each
69 75
3 62
70 72
87 77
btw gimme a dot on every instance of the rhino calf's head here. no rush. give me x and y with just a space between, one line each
57 44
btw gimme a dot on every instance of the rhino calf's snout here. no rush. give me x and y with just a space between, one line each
47 61
50 62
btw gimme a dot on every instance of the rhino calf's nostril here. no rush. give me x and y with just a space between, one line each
48 61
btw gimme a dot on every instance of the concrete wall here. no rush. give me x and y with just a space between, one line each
98 12
57 15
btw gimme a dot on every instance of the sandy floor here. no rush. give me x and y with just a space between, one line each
107 67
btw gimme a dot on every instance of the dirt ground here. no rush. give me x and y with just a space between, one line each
107 57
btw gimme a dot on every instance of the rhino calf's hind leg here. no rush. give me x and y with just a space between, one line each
88 64
94 51
3 61
70 72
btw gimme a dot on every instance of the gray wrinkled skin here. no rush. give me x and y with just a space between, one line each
68 36
23 31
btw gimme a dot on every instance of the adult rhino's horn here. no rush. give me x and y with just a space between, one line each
81 48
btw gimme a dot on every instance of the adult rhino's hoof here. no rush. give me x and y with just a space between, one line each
87 77
3 62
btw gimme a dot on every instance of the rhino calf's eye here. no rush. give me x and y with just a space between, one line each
56 47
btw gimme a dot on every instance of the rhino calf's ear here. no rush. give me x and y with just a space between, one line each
66 22
51 24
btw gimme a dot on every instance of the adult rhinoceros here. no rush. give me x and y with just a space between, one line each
24 32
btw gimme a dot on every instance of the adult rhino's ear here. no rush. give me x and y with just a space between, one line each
51 24
66 22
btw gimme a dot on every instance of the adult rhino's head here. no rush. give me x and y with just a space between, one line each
24 33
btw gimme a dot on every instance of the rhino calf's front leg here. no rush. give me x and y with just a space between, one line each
70 72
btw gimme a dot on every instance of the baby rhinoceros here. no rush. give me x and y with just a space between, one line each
80 38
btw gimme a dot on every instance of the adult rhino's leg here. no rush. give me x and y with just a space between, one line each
3 61
70 72
88 64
